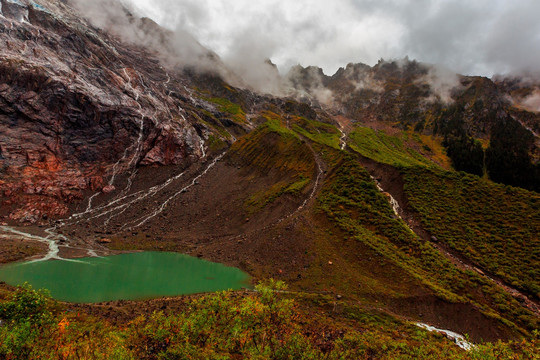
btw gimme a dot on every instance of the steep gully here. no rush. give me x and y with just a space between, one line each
457 338
344 128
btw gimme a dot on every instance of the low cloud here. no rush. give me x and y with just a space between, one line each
309 83
363 79
177 47
532 102
482 37
442 82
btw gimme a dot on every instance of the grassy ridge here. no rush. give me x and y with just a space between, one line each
230 108
351 200
273 146
494 225
385 149
317 131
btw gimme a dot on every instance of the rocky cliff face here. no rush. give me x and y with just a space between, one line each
78 108
398 91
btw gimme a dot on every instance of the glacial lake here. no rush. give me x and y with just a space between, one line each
134 276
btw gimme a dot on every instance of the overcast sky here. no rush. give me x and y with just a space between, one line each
476 37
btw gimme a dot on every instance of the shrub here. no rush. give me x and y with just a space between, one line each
26 314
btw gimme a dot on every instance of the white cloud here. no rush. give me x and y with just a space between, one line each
473 37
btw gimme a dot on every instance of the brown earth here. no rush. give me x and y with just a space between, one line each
13 249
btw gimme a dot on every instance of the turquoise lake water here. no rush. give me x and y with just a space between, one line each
133 276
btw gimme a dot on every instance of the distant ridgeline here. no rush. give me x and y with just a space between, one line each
486 125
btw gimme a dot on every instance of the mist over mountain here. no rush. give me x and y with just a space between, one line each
471 38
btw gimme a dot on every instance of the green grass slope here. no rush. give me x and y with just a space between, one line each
386 149
351 200
495 226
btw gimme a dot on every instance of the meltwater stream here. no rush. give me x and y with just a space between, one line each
458 339
134 276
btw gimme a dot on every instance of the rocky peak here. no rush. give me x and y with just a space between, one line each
465 111
307 78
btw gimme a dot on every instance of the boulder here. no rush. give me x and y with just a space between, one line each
108 189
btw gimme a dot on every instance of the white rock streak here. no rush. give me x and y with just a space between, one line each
160 209
123 200
342 139
457 338
49 240
393 202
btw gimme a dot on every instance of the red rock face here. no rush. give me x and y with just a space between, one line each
77 107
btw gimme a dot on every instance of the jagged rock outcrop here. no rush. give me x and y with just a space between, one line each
78 107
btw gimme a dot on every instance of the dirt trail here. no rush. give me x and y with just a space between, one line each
319 179
321 168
